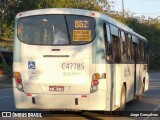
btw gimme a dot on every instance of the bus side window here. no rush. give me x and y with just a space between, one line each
146 50
143 52
116 49
140 51
105 35
132 51
115 38
128 44
135 43
108 43
123 47
146 53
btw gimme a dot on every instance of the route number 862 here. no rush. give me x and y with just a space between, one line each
81 24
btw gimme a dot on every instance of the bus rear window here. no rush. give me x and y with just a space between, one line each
56 29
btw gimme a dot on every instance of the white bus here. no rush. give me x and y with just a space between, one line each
72 59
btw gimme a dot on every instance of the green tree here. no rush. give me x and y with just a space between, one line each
5 11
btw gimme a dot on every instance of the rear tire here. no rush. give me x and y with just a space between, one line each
120 110
123 100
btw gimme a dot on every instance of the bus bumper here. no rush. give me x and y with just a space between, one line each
93 101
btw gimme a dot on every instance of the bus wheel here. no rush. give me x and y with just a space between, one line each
122 102
139 97
123 99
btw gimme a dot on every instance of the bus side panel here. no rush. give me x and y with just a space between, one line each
123 75
143 76
97 100
146 81
109 82
138 79
20 99
129 75
19 96
118 82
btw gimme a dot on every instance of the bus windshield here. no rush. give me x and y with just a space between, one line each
56 29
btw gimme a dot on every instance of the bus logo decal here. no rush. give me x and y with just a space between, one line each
31 65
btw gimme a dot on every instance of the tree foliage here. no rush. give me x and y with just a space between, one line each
6 15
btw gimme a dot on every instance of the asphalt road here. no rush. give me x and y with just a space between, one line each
150 102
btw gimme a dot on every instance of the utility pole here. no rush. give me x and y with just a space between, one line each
123 8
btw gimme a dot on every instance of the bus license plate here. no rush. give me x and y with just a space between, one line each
56 88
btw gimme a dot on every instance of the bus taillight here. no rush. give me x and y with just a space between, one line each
95 82
17 74
100 76
18 79
94 86
97 76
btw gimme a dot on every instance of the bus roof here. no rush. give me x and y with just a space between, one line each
58 11
79 12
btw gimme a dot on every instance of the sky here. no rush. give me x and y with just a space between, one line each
149 8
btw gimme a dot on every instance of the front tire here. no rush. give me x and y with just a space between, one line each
139 97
